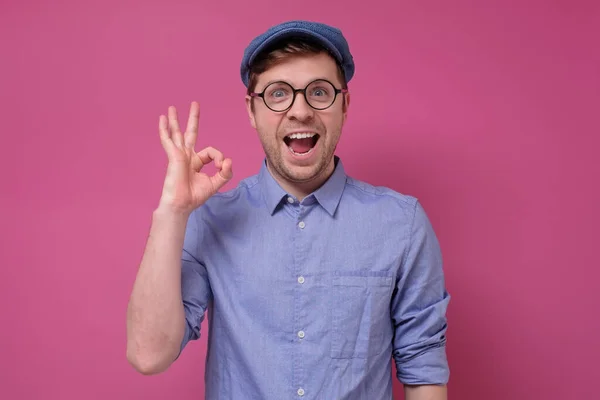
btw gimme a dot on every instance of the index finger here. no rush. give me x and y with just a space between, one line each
191 132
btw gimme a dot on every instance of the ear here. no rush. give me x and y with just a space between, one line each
250 110
345 105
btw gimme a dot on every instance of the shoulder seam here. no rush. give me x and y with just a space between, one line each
400 196
410 237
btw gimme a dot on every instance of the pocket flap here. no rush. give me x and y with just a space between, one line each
363 278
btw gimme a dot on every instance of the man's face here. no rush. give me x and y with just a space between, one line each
298 158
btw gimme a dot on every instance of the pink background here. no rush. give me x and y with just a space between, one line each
487 113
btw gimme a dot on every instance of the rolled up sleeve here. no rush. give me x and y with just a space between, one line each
419 308
195 287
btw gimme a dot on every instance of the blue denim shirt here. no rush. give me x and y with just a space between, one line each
313 299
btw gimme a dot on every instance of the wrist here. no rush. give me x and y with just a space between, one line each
164 212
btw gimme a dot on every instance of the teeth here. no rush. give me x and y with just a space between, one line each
301 135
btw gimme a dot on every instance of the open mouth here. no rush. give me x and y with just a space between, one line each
301 143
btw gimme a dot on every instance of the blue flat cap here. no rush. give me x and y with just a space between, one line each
328 36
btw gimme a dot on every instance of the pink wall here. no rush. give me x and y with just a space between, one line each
489 114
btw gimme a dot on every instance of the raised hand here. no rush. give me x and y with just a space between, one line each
186 187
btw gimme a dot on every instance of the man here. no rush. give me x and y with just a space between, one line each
312 281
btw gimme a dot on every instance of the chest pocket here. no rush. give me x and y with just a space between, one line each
361 321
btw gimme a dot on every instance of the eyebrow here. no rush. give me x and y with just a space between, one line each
289 83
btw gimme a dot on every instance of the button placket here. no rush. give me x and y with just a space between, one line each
300 315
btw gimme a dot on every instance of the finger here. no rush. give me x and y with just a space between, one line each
224 175
191 133
226 171
163 132
210 154
196 163
174 126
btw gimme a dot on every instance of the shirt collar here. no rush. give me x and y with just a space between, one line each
328 195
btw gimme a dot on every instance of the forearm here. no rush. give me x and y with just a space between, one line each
155 314
426 392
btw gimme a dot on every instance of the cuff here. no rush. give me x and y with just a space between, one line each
428 368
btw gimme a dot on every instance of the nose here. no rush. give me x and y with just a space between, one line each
300 110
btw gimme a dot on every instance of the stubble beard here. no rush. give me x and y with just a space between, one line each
299 175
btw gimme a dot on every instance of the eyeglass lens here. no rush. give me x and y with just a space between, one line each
319 94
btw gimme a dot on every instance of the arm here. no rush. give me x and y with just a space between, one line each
171 290
419 314
426 392
155 315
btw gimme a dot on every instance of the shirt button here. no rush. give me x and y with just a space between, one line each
300 392
300 279
301 224
301 334
290 199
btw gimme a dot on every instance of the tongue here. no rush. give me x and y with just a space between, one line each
301 145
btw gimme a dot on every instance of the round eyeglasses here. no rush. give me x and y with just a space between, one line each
280 96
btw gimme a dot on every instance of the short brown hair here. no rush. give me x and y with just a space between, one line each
283 50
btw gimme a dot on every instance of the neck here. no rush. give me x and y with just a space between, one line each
302 189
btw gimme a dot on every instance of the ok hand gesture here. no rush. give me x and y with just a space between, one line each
186 187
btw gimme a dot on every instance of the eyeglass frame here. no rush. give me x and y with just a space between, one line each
296 91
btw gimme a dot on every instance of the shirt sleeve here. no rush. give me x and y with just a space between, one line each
419 308
195 287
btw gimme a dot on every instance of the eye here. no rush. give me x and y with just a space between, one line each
319 92
278 92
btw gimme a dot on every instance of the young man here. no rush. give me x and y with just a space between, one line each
312 281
